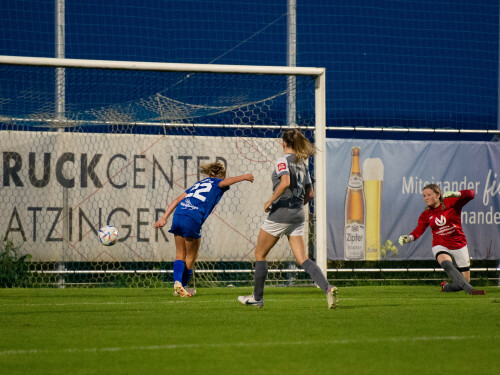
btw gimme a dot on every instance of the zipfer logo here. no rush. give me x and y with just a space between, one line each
440 221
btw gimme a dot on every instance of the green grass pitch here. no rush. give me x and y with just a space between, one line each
375 330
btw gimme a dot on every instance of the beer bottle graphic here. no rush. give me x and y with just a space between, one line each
354 230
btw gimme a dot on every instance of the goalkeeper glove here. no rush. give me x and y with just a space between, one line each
405 239
452 194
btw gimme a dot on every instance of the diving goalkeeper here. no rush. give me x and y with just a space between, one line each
443 215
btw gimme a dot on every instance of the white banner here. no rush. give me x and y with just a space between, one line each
127 181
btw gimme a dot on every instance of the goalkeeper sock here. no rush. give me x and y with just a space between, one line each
315 272
179 266
260 279
186 276
451 287
457 279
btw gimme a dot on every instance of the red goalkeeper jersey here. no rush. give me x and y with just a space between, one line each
445 222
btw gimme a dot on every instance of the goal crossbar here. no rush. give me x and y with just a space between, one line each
318 74
157 66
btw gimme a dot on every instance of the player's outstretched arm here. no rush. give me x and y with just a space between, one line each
161 223
405 239
452 194
233 180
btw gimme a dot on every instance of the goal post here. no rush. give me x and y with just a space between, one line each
137 126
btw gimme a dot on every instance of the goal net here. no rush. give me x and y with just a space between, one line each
93 143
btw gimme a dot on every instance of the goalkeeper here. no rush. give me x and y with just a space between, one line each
443 215
191 210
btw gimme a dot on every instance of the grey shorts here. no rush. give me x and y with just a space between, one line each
461 256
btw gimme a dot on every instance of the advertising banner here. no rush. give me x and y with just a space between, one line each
57 189
374 195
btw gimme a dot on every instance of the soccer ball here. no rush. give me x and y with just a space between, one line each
108 235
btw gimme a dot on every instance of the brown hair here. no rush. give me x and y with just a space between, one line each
217 170
436 190
299 143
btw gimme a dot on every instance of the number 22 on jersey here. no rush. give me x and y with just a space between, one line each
198 189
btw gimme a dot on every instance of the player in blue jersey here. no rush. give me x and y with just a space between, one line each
191 210
292 189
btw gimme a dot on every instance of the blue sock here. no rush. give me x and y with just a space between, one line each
186 276
179 266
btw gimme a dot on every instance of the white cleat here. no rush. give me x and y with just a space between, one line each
250 301
179 289
191 291
332 297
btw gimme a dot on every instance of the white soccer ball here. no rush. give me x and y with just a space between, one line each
108 235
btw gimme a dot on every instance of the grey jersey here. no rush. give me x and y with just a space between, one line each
289 208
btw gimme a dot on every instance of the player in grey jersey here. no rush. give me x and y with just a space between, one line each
292 189
289 208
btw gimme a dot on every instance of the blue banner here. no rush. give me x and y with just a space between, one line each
374 195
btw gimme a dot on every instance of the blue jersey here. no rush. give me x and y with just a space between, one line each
201 199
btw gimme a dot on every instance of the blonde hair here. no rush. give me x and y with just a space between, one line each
298 143
217 170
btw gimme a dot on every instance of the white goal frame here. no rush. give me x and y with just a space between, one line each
320 112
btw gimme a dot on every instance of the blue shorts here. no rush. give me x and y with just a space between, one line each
185 226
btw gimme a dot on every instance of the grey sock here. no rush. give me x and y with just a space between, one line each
451 287
457 279
315 272
260 279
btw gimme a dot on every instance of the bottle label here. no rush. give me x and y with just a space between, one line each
355 182
354 241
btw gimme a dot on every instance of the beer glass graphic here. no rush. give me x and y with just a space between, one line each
373 176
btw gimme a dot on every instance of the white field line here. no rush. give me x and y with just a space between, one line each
198 300
250 344
166 302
